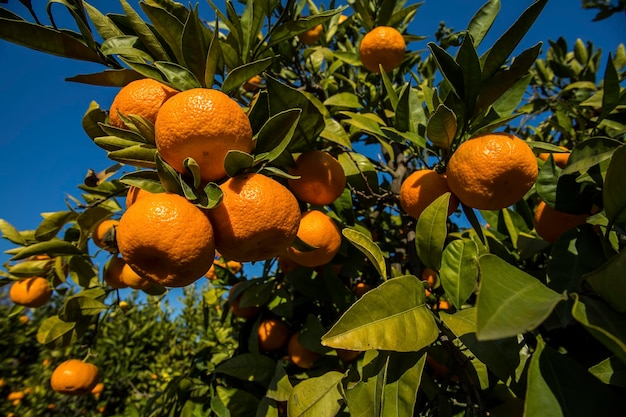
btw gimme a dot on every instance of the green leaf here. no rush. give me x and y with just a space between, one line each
168 176
441 127
103 24
316 397
107 78
344 99
431 232
555 384
142 156
370 249
54 332
506 44
11 233
334 132
236 161
482 21
126 46
379 319
459 270
280 387
610 371
589 153
195 44
53 247
52 224
509 300
167 24
611 89
81 305
610 282
145 179
403 377
276 134
249 367
613 192
178 76
145 34
449 68
468 61
46 39
213 56
291 28
605 324
237 76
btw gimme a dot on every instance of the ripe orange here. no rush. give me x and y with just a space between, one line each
551 223
299 355
103 234
253 83
272 335
322 179
421 188
132 279
140 97
241 312
203 124
320 231
15 395
360 289
286 264
560 159
113 273
74 377
384 46
233 266
134 194
31 292
312 35
430 275
342 19
166 239
97 390
257 219
348 355
492 171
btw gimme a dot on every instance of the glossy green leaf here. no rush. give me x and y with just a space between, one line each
142 156
611 89
236 161
11 233
280 387
108 78
213 57
81 305
290 29
610 371
369 249
144 179
103 24
468 60
238 401
555 384
53 247
510 301
589 153
441 128
145 34
46 39
276 134
604 323
449 68
613 192
126 46
54 332
52 224
316 397
249 367
195 44
506 44
237 76
168 25
380 319
344 99
168 176
482 20
178 76
610 281
334 132
459 270
403 377
113 143
431 232
27 269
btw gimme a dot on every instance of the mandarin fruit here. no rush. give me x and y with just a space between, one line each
166 239
74 377
31 292
384 46
551 223
103 234
319 231
140 97
241 312
309 37
203 124
421 188
492 171
256 220
113 273
298 354
272 335
560 158
322 179
253 83
134 194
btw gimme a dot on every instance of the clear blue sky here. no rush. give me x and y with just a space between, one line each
45 152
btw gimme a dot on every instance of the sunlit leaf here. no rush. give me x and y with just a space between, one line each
610 371
431 232
459 270
317 396
369 249
482 20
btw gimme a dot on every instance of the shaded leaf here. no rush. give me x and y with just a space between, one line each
482 20
459 270
249 367
441 128
369 249
614 183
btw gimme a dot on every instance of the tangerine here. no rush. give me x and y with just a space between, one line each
319 231
298 354
383 45
241 312
140 97
560 158
113 273
310 36
272 335
74 377
31 292
551 223
103 234
421 188
322 178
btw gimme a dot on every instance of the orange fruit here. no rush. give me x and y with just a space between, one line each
241 312
384 46
98 388
347 355
166 239
320 231
492 171
257 219
298 354
342 19
132 279
421 188
140 97
113 273
272 335
322 179
103 234
360 289
74 377
253 83
551 223
134 194
15 395
203 124
309 37
286 264
31 292
560 159
429 275
24 319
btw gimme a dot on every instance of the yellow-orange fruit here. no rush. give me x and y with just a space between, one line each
560 159
319 231
104 234
360 289
272 335
113 273
253 83
298 354
551 223
134 194
140 97
30 292
309 37
203 124
257 219
74 377
322 178
241 312
384 46
421 188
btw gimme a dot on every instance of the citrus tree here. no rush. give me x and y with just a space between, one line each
432 230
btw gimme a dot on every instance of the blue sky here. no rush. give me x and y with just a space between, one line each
46 154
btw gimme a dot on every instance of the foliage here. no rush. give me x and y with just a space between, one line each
532 329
